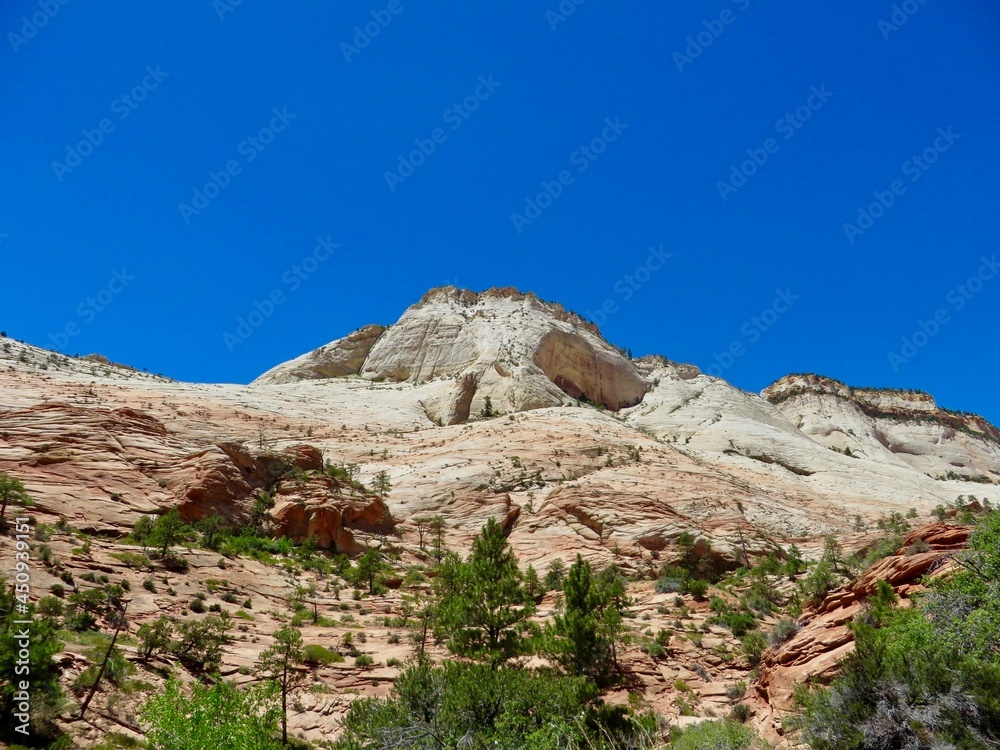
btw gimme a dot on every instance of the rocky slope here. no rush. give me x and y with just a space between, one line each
823 637
589 452
103 444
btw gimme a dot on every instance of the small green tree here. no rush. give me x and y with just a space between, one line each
533 584
142 530
199 643
422 526
220 717
167 531
583 635
820 582
698 588
555 574
754 644
352 471
436 527
212 528
794 562
280 663
258 513
381 484
11 491
487 412
43 678
154 637
369 570
484 607
833 554
117 668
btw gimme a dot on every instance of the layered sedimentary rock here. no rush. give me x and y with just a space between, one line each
587 452
904 428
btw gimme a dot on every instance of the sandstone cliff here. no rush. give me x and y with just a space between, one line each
905 428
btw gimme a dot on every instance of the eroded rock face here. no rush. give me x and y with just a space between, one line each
799 442
903 428
228 476
584 371
519 351
328 521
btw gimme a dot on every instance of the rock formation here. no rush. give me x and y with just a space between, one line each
903 428
520 352
337 359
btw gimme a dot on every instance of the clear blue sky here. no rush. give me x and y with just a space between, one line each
182 93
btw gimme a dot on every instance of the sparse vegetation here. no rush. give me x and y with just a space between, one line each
927 675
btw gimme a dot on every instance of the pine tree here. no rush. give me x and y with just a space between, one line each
280 663
484 606
381 484
43 645
212 528
370 568
583 637
436 527
167 531
533 584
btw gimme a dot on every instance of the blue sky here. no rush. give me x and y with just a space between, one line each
169 170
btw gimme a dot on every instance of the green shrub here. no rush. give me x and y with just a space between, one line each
697 588
741 712
314 654
782 632
669 585
222 717
740 623
754 645
737 691
716 735
820 582
478 706
917 547
927 675
363 661
132 560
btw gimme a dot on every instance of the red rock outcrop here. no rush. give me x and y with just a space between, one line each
228 475
330 521
824 638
